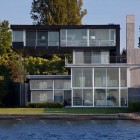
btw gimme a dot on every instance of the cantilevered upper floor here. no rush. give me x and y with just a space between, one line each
65 38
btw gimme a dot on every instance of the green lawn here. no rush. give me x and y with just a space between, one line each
62 110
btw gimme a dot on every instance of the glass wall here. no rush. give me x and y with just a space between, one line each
51 90
82 77
77 77
112 97
41 96
105 87
87 97
77 37
123 77
100 97
100 77
31 38
124 97
87 77
60 94
42 38
102 37
17 36
77 97
92 57
41 84
53 38
88 37
113 77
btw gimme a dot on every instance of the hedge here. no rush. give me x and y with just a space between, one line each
134 106
45 105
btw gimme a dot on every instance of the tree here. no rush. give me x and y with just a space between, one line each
5 37
54 12
57 12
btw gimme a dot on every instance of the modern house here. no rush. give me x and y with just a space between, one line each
100 76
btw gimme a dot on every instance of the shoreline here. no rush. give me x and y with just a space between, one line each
76 117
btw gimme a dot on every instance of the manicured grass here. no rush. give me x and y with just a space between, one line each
21 110
62 110
86 110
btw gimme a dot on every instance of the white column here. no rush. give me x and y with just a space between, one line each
93 85
87 37
71 88
24 37
119 88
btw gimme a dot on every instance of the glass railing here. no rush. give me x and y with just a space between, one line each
91 43
102 60
40 42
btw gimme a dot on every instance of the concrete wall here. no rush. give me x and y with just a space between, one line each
133 54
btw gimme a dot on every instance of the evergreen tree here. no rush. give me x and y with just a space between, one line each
57 12
5 37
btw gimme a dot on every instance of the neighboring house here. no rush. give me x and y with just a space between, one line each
100 76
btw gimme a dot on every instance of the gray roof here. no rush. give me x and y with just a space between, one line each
38 77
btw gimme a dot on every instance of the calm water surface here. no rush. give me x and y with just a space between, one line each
69 130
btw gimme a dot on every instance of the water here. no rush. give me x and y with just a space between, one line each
69 130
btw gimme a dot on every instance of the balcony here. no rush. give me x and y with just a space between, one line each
103 61
85 43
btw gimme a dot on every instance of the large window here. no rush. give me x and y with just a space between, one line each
87 97
87 77
102 37
77 97
41 96
123 77
107 88
113 77
62 84
88 37
100 77
95 57
42 38
82 77
59 96
112 97
41 84
77 37
17 36
53 38
31 38
77 79
124 97
100 97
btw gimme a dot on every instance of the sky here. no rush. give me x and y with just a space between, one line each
99 12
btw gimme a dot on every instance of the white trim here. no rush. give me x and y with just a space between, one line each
24 37
128 77
93 88
66 37
87 37
119 87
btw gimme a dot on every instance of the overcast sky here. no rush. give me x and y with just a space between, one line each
99 12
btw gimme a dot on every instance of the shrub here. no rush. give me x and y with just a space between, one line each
134 106
45 105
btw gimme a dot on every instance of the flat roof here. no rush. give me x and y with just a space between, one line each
58 27
47 77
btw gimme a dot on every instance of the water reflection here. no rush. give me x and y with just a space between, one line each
69 130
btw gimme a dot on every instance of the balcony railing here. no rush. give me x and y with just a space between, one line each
91 43
101 60
41 42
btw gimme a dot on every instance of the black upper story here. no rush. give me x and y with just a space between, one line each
63 39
